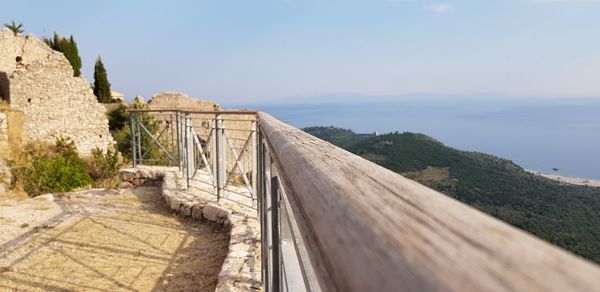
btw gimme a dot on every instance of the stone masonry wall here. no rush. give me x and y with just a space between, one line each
54 102
3 133
180 101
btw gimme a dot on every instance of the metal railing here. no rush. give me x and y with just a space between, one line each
214 149
285 260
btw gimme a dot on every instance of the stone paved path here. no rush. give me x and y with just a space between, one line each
106 241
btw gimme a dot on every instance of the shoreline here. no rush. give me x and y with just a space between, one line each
568 180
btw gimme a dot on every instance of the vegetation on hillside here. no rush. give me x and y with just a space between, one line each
101 84
342 137
15 28
69 48
566 215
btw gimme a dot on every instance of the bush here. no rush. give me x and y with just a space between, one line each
118 118
104 168
41 169
122 136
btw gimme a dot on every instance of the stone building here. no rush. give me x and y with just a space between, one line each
39 82
117 96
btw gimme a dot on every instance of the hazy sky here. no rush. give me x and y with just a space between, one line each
233 51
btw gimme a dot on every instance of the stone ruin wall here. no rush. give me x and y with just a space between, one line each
180 101
238 126
39 82
3 133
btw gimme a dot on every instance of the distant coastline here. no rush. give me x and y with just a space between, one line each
518 130
568 180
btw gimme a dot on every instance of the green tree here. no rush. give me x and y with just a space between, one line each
69 48
123 135
15 28
101 84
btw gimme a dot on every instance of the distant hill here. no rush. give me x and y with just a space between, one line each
566 215
342 137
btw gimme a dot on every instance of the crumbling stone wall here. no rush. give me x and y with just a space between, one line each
3 133
54 102
175 100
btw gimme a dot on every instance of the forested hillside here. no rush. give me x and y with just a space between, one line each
566 215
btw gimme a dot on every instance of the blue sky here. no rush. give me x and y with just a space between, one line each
244 50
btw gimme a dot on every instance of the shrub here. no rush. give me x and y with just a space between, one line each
123 135
104 168
41 168
118 118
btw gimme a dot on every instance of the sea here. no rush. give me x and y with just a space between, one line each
559 136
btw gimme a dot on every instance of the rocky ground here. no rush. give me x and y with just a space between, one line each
101 240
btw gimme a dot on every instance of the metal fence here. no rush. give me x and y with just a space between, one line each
214 150
227 154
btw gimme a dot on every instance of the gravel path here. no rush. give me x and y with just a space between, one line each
101 240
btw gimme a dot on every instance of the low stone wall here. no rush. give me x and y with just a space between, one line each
241 268
142 177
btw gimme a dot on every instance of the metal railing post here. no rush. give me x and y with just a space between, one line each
213 156
191 155
186 150
254 153
262 213
179 150
131 125
220 151
139 139
275 245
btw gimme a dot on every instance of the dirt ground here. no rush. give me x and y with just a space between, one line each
101 240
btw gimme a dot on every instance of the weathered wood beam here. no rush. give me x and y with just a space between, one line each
369 229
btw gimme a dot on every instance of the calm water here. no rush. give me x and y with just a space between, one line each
538 135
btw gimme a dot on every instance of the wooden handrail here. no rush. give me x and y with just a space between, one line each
228 112
369 229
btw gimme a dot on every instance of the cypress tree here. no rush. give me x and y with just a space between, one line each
74 58
101 84
69 49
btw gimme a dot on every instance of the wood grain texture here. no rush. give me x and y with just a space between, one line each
370 229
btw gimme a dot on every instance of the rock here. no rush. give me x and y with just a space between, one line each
175 203
138 182
46 197
197 211
186 209
127 175
215 213
125 185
